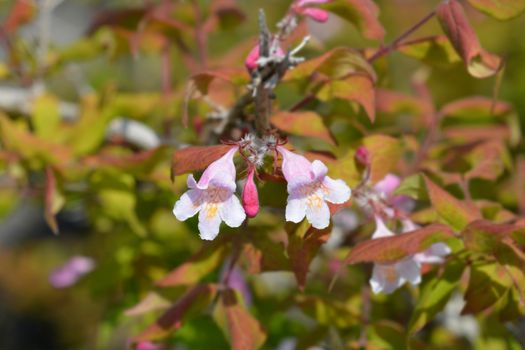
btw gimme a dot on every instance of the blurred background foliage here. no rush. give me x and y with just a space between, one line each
74 83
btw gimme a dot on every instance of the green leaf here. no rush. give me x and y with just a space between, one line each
337 63
357 88
327 312
385 153
198 266
362 13
436 50
194 301
54 200
500 9
46 117
412 186
434 295
454 212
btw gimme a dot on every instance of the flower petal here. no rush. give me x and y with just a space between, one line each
302 3
409 270
221 172
317 15
295 209
387 185
381 229
191 182
232 212
188 205
317 211
297 170
336 191
385 279
319 169
433 255
209 221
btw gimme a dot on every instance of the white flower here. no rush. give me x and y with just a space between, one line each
213 198
433 255
386 278
309 189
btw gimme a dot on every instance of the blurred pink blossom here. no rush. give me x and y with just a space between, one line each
302 7
72 271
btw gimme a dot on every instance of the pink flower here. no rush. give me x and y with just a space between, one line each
250 197
72 271
309 189
252 59
301 7
213 198
386 278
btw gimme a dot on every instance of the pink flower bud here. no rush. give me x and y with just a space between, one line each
250 197
317 15
253 56
362 156
302 7
251 59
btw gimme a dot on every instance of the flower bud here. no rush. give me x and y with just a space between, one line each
362 157
250 197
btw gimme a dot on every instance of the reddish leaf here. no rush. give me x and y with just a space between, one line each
304 243
454 212
358 88
476 134
479 62
308 124
195 299
485 237
143 161
362 13
337 63
197 158
198 266
243 331
476 107
391 249
265 252
20 13
500 9
393 102
488 161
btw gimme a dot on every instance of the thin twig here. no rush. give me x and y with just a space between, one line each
385 50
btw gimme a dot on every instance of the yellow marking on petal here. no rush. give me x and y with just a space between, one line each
314 201
211 210
390 273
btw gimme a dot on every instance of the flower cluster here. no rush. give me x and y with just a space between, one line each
213 197
386 278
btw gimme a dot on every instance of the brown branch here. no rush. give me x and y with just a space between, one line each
385 50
